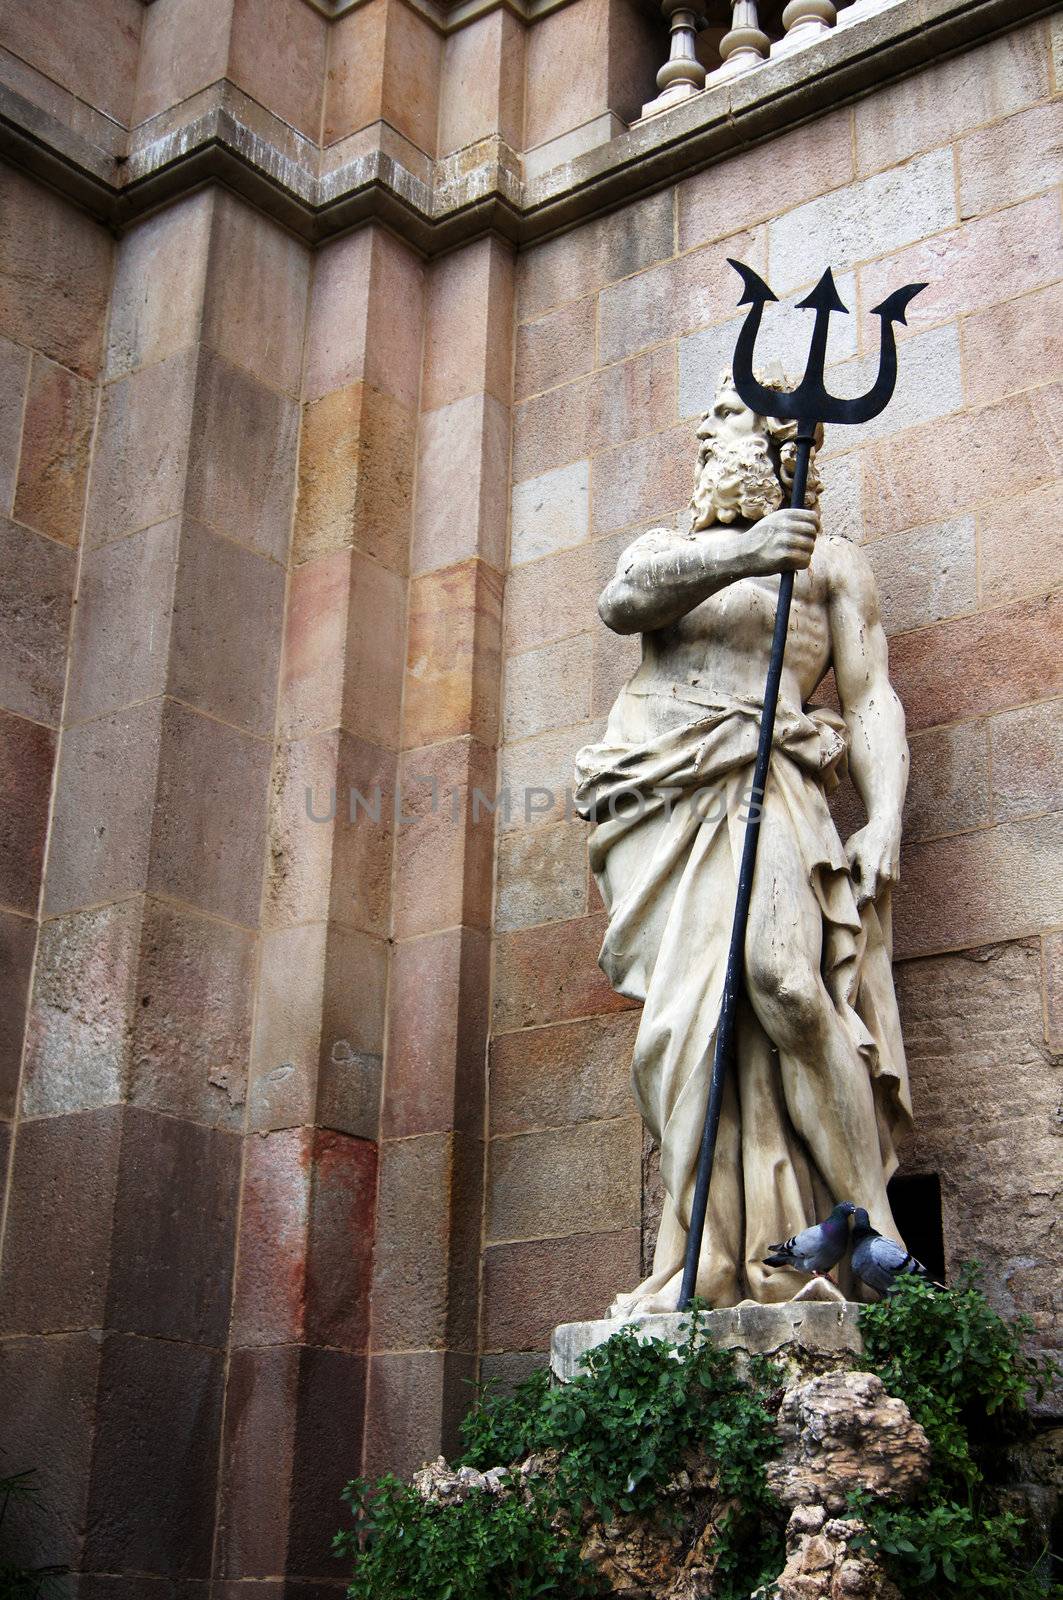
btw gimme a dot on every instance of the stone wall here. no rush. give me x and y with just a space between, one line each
955 492
309 480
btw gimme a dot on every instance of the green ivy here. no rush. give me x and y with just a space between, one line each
965 1376
616 1435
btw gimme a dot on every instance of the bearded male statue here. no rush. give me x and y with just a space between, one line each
819 1092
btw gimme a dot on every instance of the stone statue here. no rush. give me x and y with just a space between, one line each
820 1090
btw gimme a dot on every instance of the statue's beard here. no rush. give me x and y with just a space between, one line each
735 480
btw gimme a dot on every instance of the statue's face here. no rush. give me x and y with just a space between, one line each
736 474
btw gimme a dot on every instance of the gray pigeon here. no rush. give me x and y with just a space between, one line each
879 1262
816 1249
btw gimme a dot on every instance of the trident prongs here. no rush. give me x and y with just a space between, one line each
810 402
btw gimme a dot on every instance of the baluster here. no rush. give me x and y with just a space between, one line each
805 21
746 45
682 74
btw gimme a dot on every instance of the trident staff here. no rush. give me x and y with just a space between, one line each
809 405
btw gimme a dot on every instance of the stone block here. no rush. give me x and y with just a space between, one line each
615 658
356 463
1009 161
925 574
55 272
537 777
778 1331
54 463
261 1404
541 876
258 275
437 1034
92 51
225 639
278 56
191 1015
469 325
529 1286
358 279
1022 553
602 251
209 825
36 588
14 377
980 263
242 457
1027 761
550 974
182 48
49 1411
444 846
932 107
555 348
929 384
319 1029
18 939
306 1239
594 413
78 1041
121 643
1005 448
558 596
1029 329
462 478
331 825
758 184
567 71
482 83
160 271
551 1183
453 649
550 511
978 888
675 297
651 478
866 219
707 353
504 1370
978 664
328 1448
27 755
549 687
1052 971
141 453
416 1400
429 1210
948 788
57 1243
174 1229
159 1407
555 1077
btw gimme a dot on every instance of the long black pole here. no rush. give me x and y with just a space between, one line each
732 984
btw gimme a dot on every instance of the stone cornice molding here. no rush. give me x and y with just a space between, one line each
221 135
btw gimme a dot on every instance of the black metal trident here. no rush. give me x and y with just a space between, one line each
808 405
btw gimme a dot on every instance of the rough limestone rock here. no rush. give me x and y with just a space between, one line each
821 1563
842 1431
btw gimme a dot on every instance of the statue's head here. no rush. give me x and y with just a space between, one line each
745 462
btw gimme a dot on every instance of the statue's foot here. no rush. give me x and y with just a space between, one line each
648 1300
820 1289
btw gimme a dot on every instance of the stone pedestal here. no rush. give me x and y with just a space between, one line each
790 1333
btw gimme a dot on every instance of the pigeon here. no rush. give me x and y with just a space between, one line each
879 1262
816 1249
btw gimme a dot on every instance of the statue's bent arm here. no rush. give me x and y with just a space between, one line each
664 575
878 754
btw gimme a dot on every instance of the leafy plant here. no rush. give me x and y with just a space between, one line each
965 1376
18 1582
615 1437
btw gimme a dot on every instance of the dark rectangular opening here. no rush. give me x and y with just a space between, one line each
916 1201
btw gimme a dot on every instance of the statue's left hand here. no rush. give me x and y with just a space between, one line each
874 855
